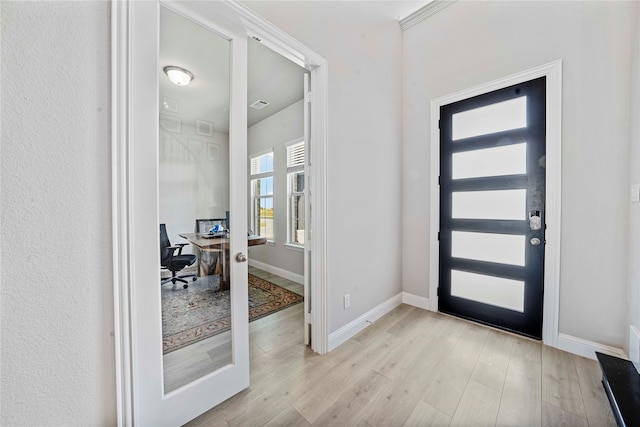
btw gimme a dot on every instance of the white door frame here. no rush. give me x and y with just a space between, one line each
553 73
281 42
122 223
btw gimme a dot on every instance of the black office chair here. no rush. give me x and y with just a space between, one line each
174 262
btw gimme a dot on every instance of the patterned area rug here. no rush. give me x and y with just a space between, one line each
193 314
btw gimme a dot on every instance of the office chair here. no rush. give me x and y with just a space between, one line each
174 262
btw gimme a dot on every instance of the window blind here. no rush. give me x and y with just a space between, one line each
295 157
262 164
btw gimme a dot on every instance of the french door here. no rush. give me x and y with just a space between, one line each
492 208
187 156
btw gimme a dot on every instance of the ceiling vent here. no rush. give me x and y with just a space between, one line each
259 104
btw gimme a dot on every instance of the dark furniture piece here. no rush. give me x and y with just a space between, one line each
621 382
209 262
173 261
220 244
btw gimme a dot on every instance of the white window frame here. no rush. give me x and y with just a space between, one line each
255 199
291 171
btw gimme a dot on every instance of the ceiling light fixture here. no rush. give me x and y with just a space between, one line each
178 75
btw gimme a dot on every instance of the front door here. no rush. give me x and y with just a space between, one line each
492 208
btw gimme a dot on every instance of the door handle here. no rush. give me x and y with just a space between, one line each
241 257
535 241
535 221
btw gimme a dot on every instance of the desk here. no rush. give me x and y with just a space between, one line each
218 245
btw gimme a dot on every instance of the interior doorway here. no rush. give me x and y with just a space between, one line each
142 394
278 195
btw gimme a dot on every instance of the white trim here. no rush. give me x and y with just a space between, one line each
352 328
292 247
586 348
424 13
295 141
553 73
260 153
281 42
294 277
416 301
119 209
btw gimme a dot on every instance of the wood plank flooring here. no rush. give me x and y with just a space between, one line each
285 327
412 368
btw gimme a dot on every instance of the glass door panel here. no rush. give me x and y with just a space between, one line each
497 291
498 248
496 161
501 204
193 202
501 116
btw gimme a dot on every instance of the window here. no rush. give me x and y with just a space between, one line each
295 178
262 194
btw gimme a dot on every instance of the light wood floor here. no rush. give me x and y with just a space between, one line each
189 363
413 368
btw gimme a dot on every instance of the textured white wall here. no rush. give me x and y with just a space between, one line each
470 43
57 300
275 132
362 43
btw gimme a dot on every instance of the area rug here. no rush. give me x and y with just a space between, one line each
193 314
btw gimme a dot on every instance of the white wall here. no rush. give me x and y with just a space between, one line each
470 43
274 133
633 299
57 301
192 183
362 44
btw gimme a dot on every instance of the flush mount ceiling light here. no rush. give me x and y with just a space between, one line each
178 75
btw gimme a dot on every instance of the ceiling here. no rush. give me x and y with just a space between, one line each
271 77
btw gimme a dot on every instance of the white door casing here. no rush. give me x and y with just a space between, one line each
553 73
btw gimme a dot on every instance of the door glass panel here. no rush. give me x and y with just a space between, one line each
497 291
496 161
501 204
499 248
194 201
498 117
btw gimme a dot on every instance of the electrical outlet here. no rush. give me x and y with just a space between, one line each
347 301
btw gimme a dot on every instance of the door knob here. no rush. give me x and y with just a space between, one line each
535 241
240 257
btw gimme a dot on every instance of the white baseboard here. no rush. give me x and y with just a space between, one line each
294 277
416 301
586 348
352 328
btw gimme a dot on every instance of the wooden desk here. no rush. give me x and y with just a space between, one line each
218 245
